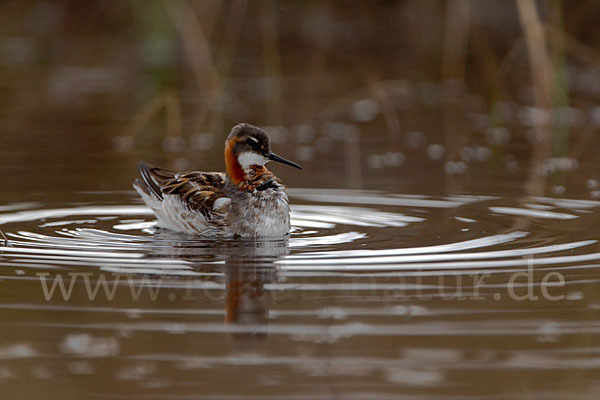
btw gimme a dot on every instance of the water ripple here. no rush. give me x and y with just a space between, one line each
361 270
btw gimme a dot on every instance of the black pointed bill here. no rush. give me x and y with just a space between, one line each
275 157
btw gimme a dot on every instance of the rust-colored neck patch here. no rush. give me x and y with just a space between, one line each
246 181
234 170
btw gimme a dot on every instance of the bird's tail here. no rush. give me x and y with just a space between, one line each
148 183
148 187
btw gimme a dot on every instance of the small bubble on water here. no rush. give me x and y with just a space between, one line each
511 164
535 135
181 164
323 144
430 93
5 374
18 51
585 80
304 133
558 190
40 372
542 170
374 161
265 88
414 377
89 346
365 110
592 184
467 153
534 116
414 139
305 153
475 103
278 134
133 314
352 133
482 153
44 17
561 164
332 313
480 121
595 194
594 116
193 363
389 159
455 167
155 383
574 296
136 372
176 329
173 144
123 144
435 151
567 116
548 333
156 52
497 135
335 130
503 109
202 141
20 350
124 332
80 368
392 159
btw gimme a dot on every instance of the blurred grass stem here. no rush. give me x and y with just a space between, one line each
540 70
454 53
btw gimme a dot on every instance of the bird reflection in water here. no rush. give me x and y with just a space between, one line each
247 301
249 266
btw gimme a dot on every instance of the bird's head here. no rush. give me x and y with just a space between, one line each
247 147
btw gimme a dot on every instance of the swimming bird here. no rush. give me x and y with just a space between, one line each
247 200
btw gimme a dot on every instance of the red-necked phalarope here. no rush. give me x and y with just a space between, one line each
247 200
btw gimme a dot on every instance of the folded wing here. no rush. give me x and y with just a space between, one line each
197 192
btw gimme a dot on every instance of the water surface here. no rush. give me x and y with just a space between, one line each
445 225
372 292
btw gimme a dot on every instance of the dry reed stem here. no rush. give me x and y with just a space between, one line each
233 33
173 108
484 51
541 77
194 42
511 56
197 49
584 53
315 65
539 59
272 60
456 39
145 115
352 157
167 100
392 120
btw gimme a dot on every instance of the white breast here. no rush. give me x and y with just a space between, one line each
262 214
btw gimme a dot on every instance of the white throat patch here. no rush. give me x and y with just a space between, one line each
249 158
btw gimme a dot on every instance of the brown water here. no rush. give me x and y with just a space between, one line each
438 249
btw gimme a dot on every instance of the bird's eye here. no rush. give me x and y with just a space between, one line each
252 142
